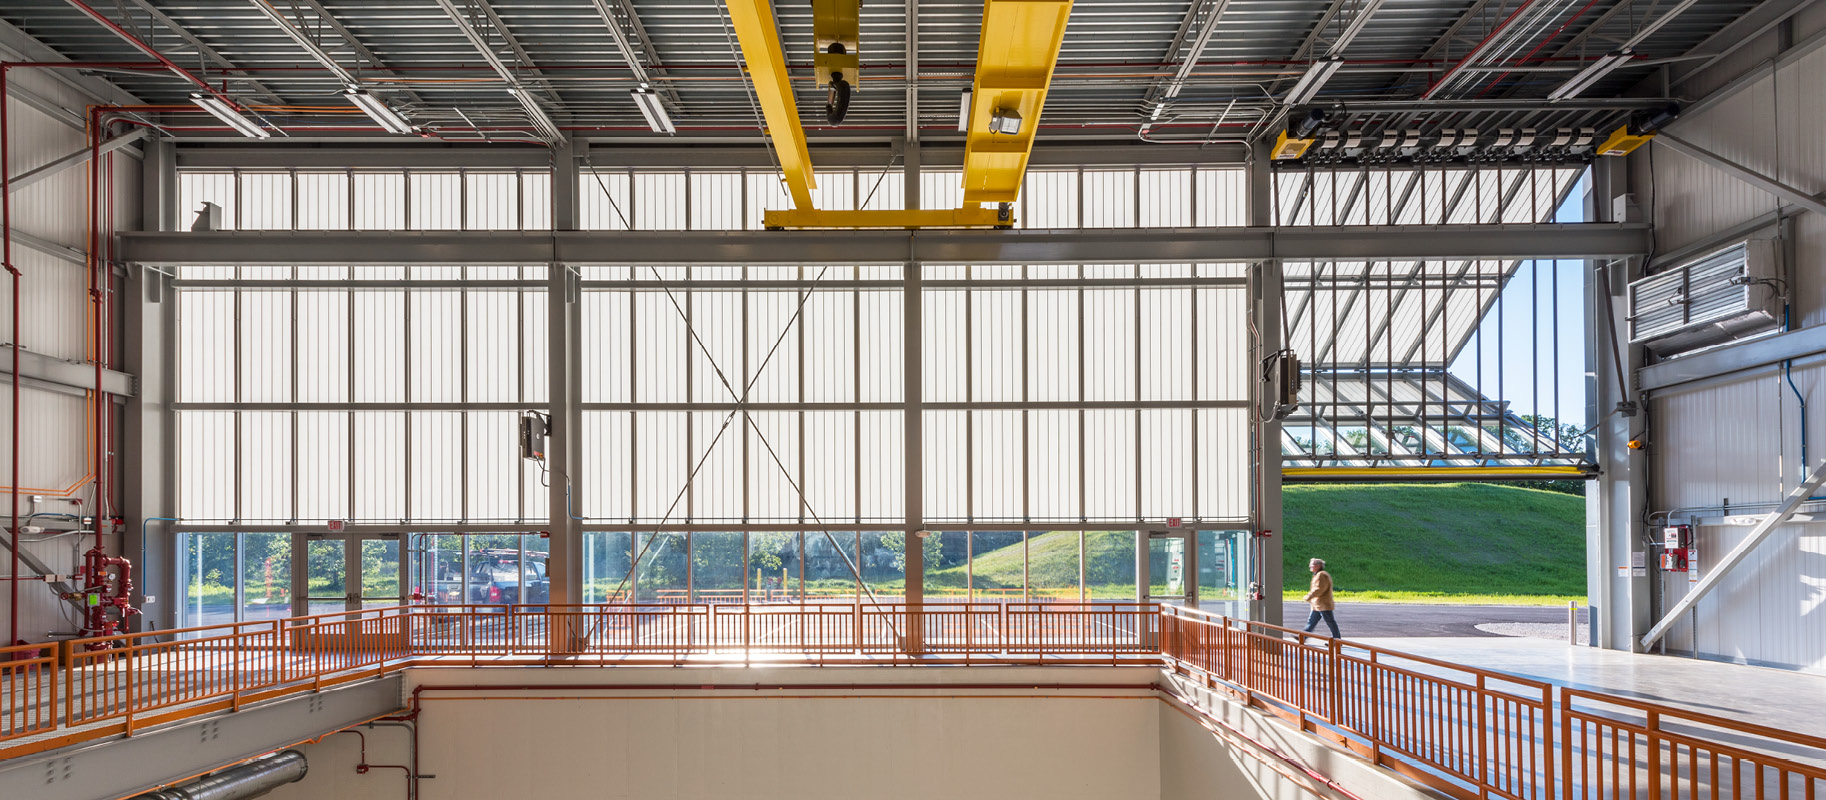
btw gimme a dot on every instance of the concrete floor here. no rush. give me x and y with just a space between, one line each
1363 620
1782 699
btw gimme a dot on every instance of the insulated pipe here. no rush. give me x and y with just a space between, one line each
252 779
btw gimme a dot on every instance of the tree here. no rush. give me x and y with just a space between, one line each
932 548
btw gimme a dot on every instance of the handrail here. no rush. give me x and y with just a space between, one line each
1470 732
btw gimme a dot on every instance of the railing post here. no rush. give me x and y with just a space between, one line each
1652 727
1548 753
1335 674
1480 731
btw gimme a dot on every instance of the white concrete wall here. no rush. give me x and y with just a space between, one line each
956 733
1737 438
55 460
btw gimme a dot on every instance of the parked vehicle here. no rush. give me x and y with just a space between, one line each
495 578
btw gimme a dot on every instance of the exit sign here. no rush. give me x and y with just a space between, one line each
1174 522
337 525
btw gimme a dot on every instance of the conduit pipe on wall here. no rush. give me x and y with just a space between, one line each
252 779
6 260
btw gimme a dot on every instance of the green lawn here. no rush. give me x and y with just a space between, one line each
1453 542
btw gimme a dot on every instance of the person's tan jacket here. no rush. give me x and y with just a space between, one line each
1320 594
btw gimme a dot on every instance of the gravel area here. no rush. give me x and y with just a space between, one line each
1555 631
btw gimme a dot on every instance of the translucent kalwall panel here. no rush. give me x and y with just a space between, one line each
380 333
492 468
1050 200
607 200
883 475
206 359
1166 344
1053 341
661 350
997 471
766 192
1166 463
491 351
1110 470
1166 198
883 351
830 465
379 201
1110 344
323 465
883 190
536 201
836 190
379 442
1223 372
1115 194
266 347
829 333
1223 466
1221 197
434 481
716 356
197 188
436 337
659 201
605 492
716 201
323 201
773 347
945 347
605 343
1053 461
941 189
947 480
266 465
492 201
774 468
436 201
996 346
206 464
717 443
266 201
660 466
323 346
533 361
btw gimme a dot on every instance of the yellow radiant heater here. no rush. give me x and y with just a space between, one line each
1016 55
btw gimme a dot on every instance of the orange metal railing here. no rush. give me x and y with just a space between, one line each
1472 733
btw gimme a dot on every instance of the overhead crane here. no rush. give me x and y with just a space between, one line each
1016 54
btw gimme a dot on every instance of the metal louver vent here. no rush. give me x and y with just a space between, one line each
1727 295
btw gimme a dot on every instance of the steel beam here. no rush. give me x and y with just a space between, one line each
1796 498
1123 246
127 766
208 52
442 155
68 374
1791 194
542 122
81 155
1801 343
1741 31
50 248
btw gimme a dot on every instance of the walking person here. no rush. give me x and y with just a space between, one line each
1320 598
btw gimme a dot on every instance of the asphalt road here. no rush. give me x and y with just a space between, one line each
1374 620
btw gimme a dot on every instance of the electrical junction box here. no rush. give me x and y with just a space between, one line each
1676 537
1674 561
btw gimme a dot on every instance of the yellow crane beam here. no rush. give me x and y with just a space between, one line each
766 63
1015 58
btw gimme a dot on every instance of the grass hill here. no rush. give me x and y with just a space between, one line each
1453 542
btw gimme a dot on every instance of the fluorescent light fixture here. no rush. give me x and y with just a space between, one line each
963 111
653 110
1005 121
374 108
1314 80
1591 75
226 113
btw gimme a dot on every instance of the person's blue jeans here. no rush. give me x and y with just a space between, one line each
1312 621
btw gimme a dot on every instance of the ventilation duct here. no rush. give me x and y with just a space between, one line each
1733 293
252 779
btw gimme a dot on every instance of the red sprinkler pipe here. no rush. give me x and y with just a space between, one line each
123 33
